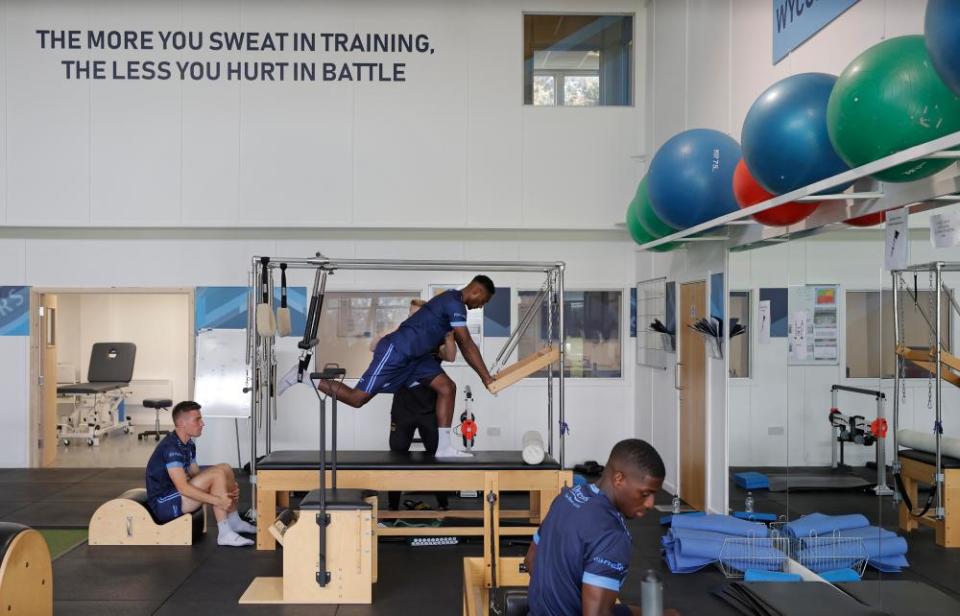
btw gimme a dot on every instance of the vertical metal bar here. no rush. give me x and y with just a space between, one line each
550 297
268 360
333 453
937 429
833 429
896 382
254 384
882 489
563 363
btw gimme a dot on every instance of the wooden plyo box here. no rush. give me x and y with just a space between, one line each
520 370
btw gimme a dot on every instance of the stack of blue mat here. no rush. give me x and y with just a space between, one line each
693 542
820 549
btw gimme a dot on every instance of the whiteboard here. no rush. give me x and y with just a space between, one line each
221 373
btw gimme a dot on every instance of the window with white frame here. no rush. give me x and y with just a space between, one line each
592 321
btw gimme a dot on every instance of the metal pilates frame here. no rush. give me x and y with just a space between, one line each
261 360
936 268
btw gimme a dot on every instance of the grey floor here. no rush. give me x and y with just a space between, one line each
207 579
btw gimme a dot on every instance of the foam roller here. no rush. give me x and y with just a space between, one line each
533 449
921 441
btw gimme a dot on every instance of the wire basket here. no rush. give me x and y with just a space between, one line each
829 552
738 554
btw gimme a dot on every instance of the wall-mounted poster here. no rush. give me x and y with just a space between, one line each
813 336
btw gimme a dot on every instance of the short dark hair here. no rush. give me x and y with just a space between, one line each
183 407
486 283
640 455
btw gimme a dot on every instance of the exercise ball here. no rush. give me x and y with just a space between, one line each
648 218
785 140
637 232
749 192
691 175
867 221
941 30
888 99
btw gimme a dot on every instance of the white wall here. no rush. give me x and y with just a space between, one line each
452 146
794 400
599 412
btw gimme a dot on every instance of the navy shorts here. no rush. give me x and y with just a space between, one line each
166 508
391 370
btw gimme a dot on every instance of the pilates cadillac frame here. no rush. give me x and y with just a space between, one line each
260 349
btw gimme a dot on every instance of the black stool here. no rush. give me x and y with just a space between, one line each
157 405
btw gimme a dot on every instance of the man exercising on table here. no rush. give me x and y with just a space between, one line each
406 356
176 485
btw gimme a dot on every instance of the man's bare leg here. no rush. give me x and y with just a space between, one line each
446 391
219 481
344 393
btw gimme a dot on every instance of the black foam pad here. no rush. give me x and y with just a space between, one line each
9 532
929 458
400 460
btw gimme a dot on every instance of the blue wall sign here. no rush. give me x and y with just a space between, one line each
14 311
795 21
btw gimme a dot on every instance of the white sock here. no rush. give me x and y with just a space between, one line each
239 525
227 536
446 448
288 380
444 440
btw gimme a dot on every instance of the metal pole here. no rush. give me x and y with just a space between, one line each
333 465
270 369
896 382
550 307
254 385
563 356
882 489
937 426
833 429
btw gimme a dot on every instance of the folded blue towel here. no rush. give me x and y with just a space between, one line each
873 548
835 576
755 516
721 524
667 519
868 532
889 564
755 575
820 524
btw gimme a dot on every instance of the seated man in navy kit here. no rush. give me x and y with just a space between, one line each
176 485
580 556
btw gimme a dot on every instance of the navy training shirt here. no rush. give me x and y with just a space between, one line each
425 329
583 540
171 452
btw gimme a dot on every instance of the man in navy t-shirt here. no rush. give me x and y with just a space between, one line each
407 356
176 485
580 555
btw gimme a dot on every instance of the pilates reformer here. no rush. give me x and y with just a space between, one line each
283 471
926 461
97 403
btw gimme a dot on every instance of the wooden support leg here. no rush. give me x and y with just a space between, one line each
951 507
907 521
491 484
283 499
534 507
266 516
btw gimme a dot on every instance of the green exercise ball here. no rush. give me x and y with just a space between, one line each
888 99
648 218
637 232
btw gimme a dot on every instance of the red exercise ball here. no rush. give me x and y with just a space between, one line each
749 192
867 221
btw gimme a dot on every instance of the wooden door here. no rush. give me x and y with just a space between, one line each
45 352
692 377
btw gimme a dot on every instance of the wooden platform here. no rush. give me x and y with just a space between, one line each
947 530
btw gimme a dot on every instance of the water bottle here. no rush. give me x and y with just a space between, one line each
676 505
651 594
748 503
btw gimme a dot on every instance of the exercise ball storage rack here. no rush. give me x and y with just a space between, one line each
868 196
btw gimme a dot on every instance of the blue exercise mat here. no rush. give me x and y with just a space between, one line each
721 524
755 516
817 524
668 519
835 576
751 481
759 575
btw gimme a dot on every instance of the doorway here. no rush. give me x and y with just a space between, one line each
693 381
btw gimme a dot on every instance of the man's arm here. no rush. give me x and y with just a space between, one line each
448 350
472 354
596 601
178 476
531 557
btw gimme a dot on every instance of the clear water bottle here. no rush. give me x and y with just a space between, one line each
676 504
651 594
748 503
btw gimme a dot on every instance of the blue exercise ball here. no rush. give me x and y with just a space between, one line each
941 31
785 140
690 180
